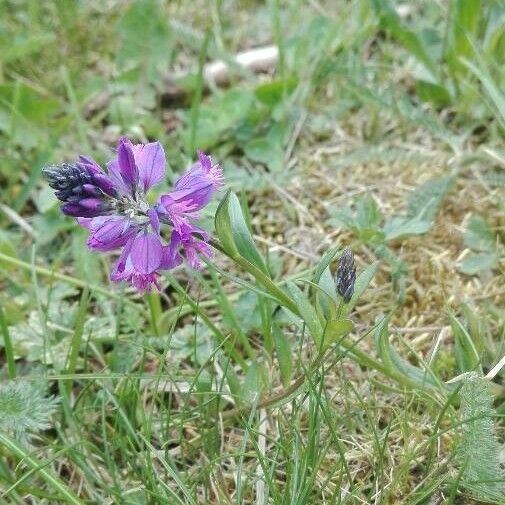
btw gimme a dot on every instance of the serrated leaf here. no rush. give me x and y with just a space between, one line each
478 236
478 451
424 202
364 220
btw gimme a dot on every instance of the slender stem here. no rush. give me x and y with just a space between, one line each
9 350
75 346
261 277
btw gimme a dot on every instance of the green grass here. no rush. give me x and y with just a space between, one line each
381 128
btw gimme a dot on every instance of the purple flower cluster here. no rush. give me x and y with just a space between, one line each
112 205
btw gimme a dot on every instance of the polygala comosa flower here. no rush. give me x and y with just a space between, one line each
113 206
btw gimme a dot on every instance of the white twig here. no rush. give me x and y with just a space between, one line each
260 59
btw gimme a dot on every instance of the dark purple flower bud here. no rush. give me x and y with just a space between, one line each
88 189
105 184
75 210
346 275
80 186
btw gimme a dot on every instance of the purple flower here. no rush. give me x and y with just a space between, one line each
112 205
192 192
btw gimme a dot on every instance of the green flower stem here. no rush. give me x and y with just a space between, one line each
261 277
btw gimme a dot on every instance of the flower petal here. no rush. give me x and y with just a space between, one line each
154 220
126 162
123 267
146 253
110 233
150 160
115 176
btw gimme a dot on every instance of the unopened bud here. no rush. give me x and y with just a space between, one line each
346 275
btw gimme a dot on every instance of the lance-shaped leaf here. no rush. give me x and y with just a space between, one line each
404 372
234 234
467 356
307 312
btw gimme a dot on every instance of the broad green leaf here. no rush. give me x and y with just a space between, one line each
267 151
480 262
467 356
272 92
402 227
433 93
335 330
326 294
234 234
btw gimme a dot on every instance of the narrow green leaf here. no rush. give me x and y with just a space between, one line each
284 356
307 312
8 348
327 258
490 86
412 43
400 369
75 345
467 356
362 282
41 467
